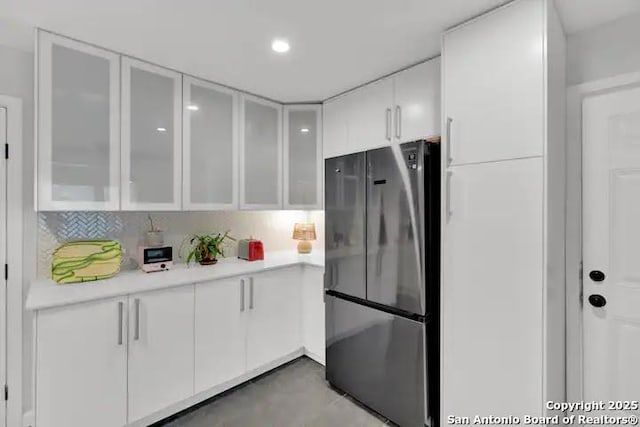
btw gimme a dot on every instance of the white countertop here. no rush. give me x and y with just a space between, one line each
45 293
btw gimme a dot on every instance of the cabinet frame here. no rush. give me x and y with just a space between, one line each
242 170
317 108
44 149
187 204
125 163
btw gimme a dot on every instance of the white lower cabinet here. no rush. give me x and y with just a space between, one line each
275 316
313 332
220 332
81 365
161 349
135 358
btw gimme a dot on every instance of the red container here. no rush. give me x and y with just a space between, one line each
250 249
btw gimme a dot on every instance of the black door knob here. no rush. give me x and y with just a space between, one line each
597 300
596 276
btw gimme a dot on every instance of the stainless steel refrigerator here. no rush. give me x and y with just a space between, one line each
382 246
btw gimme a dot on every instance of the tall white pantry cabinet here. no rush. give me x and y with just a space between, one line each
503 188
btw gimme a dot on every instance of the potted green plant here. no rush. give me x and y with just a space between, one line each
205 248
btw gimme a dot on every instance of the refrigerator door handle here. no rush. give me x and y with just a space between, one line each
448 196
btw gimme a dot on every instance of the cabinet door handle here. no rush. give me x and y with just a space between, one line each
120 321
388 125
242 295
448 200
398 122
449 142
136 331
251 293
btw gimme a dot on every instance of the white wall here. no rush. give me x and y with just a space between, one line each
604 51
16 79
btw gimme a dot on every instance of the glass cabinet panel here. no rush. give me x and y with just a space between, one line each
209 146
302 157
78 126
151 137
261 154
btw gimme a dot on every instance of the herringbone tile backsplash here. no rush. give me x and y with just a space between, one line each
272 227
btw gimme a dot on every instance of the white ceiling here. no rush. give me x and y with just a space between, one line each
335 44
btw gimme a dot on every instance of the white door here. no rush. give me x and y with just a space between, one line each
274 316
78 126
220 332
302 157
611 247
3 261
260 154
493 81
492 288
417 102
160 349
151 137
210 146
81 365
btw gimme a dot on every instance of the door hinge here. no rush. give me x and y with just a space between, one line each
6 392
6 272
6 150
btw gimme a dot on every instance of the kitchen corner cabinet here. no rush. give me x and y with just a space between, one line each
161 349
209 146
81 365
260 154
151 137
302 157
78 126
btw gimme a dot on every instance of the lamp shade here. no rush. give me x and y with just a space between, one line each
304 231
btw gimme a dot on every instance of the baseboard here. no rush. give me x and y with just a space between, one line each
313 356
197 398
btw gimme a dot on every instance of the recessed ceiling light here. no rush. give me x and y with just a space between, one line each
280 46
304 130
193 107
161 129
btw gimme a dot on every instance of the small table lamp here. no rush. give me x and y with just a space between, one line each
304 232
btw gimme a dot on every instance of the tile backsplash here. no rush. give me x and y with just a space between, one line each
272 227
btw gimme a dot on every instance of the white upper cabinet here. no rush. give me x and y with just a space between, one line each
260 154
370 116
78 126
494 84
151 137
302 157
417 102
335 127
210 146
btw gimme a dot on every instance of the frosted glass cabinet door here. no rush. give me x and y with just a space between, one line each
78 126
210 146
261 154
302 157
151 137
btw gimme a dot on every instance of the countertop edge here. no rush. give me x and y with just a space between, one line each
46 294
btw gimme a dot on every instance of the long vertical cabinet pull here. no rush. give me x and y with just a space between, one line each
388 125
136 331
120 321
398 122
242 295
449 143
448 191
251 293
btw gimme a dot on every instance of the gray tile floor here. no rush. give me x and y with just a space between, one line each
291 396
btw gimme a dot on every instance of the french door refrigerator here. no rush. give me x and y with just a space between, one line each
382 245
